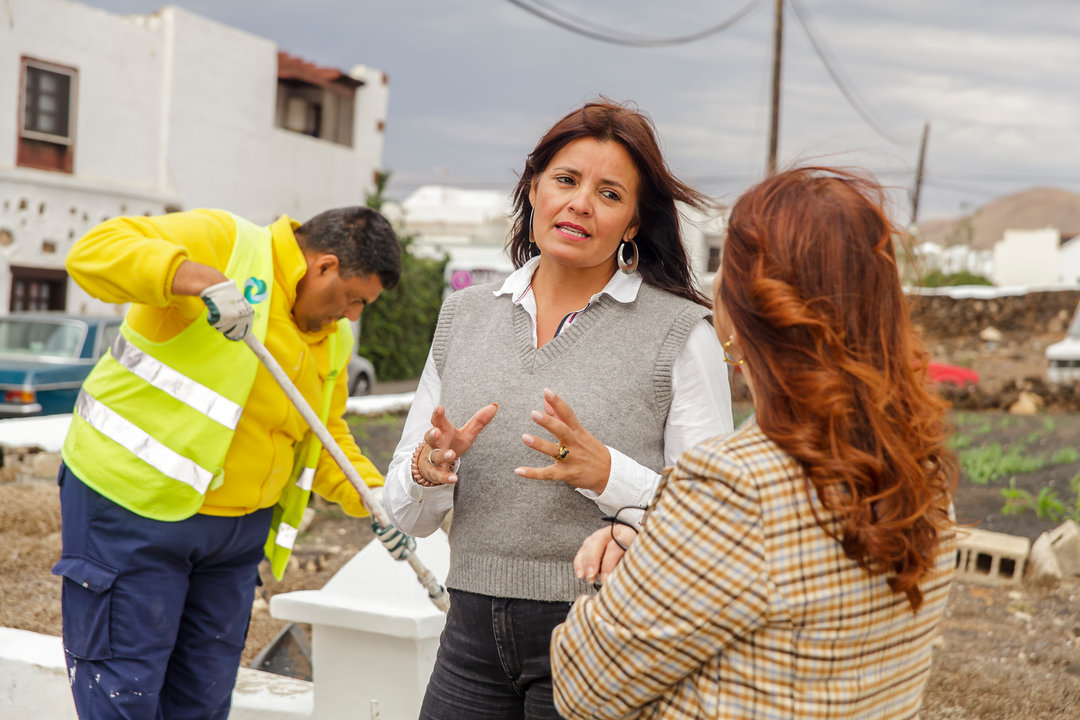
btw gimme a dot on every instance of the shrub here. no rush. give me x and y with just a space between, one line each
396 331
936 278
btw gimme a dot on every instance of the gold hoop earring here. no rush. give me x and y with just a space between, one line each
532 240
728 357
627 266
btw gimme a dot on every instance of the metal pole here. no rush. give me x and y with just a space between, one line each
919 175
774 117
434 588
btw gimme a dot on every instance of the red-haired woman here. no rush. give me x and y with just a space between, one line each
599 355
798 567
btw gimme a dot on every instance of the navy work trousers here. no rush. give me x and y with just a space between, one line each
155 613
494 660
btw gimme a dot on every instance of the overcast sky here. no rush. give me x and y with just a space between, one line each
474 83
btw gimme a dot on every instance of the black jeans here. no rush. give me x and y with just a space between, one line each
494 660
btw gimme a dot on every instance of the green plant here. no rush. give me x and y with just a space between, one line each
1008 421
964 418
986 463
1048 506
1065 456
396 331
1017 500
1049 424
959 441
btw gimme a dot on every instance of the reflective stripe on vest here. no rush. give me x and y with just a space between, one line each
155 420
141 445
289 510
192 393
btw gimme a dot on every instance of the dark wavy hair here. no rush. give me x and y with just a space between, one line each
361 238
810 282
663 262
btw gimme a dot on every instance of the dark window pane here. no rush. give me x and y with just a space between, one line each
48 98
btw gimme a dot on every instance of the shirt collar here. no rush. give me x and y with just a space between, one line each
291 266
621 287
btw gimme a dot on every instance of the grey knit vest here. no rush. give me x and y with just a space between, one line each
515 537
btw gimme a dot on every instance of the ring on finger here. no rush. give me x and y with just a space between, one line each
430 461
561 454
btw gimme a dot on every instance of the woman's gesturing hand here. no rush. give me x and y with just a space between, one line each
579 458
602 551
448 443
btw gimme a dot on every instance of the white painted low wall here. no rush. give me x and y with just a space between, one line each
374 638
35 684
375 632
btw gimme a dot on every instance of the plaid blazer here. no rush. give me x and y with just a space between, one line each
735 603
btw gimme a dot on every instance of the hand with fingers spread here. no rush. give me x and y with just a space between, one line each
580 459
443 444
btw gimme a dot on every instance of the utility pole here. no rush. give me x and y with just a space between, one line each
774 119
918 175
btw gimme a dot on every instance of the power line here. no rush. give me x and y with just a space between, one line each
850 94
576 24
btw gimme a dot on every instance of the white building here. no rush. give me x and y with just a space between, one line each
955 259
1027 257
143 114
472 227
1069 260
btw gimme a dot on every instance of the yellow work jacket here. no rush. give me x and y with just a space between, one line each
134 260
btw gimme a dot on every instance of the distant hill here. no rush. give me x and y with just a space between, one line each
1025 210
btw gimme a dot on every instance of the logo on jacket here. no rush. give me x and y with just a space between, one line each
254 290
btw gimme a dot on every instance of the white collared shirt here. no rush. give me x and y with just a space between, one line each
700 409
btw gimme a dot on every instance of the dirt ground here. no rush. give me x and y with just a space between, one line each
1003 654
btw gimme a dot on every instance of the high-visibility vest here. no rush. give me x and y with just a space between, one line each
289 510
154 420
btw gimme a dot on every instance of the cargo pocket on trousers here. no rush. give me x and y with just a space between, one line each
86 602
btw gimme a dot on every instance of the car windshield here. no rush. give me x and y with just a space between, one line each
42 338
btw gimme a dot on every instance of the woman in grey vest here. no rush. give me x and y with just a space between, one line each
550 403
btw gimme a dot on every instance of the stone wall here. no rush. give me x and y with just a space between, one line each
942 316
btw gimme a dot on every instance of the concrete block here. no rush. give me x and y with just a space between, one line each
990 558
1065 540
1043 565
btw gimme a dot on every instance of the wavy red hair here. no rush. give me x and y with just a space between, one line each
810 283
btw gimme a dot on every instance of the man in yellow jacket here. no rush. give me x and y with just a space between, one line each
181 443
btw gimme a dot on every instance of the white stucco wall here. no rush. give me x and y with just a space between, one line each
223 147
119 65
45 213
114 131
1027 257
172 110
1068 263
702 229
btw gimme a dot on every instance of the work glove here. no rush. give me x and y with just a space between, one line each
396 542
227 310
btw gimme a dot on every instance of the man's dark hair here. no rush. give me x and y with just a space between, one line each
360 237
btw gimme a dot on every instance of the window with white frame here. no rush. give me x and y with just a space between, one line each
47 102
47 95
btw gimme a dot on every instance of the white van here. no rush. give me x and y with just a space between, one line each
1064 356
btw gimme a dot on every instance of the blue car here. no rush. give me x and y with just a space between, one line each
44 358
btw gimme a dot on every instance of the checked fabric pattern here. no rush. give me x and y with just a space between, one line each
735 603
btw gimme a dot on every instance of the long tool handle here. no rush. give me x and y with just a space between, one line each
434 588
